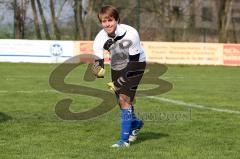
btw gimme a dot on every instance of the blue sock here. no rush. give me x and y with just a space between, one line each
135 120
126 121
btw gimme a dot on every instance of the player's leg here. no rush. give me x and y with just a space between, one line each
126 120
130 124
124 111
137 124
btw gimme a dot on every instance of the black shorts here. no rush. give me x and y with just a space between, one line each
128 79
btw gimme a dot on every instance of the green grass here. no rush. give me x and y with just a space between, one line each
29 127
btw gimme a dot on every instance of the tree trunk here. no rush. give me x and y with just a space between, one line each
61 8
235 38
89 20
44 23
223 21
77 19
19 18
36 22
54 20
82 24
17 21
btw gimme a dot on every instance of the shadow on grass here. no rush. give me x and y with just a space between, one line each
4 117
143 136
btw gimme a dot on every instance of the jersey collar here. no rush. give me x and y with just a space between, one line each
120 30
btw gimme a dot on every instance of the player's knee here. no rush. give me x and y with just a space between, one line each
124 101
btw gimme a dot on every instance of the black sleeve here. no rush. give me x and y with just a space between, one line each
134 57
108 44
101 62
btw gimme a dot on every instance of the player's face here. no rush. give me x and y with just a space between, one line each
109 25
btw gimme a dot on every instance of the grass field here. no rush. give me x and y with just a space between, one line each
199 118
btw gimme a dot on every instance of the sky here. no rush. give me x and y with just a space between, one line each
6 14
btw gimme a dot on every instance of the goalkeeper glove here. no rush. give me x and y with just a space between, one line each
98 70
112 87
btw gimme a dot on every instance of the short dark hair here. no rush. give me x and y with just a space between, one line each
108 11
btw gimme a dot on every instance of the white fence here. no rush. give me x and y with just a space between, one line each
52 51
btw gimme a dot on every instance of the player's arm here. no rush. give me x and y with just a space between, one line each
98 65
135 49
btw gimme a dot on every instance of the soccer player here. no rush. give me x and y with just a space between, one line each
127 68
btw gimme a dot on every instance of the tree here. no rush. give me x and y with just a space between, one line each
19 17
83 16
44 23
88 20
54 20
77 20
224 17
36 22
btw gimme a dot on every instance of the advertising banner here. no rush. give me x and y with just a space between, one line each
184 53
86 47
37 51
231 54
53 51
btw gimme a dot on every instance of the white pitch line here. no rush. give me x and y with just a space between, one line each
192 105
167 100
27 91
41 91
3 92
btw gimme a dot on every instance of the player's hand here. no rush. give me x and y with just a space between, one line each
112 87
108 44
97 70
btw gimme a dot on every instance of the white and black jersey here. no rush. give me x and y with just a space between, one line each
124 47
